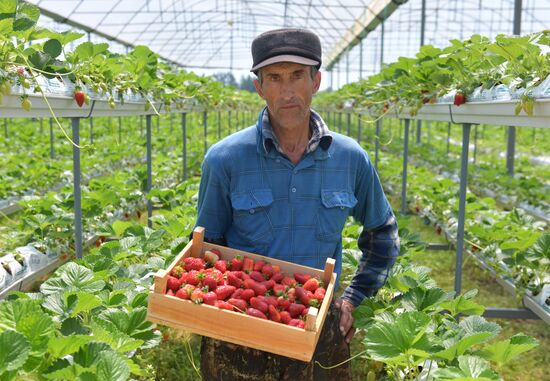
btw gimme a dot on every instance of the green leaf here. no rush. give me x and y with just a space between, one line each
470 368
14 350
120 227
66 345
6 26
85 302
503 351
88 355
8 7
463 305
72 277
111 367
394 341
53 48
64 370
26 18
422 300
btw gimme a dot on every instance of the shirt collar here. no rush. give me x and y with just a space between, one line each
320 134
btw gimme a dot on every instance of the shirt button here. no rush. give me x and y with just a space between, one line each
293 190
342 207
251 211
295 171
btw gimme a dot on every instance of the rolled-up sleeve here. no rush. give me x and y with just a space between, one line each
379 240
214 211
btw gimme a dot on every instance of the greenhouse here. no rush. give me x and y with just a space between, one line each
275 190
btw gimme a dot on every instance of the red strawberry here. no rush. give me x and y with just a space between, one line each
279 289
278 277
269 300
460 98
296 309
312 284
256 313
283 303
79 97
306 297
233 280
259 289
170 292
305 311
182 294
224 292
268 284
177 271
173 283
192 263
21 70
257 276
236 263
210 298
267 271
210 282
217 252
224 305
288 281
297 323
319 294
221 265
285 317
274 314
194 277
238 304
247 294
259 304
258 265
248 265
301 278
197 295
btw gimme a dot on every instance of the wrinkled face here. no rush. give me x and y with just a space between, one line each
287 89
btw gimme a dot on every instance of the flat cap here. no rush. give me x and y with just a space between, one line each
286 45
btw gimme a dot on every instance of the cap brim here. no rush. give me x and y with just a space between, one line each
285 58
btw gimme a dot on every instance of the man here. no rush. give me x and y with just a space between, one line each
284 188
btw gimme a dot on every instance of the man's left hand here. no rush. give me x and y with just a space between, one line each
346 319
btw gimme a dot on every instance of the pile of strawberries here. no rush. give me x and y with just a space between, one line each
243 285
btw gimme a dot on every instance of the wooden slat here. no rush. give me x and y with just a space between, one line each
311 318
329 269
198 240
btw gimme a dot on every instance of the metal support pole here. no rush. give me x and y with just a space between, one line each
184 140
359 129
76 186
418 131
6 128
377 143
219 125
466 127
205 121
348 117
448 138
405 162
517 17
229 121
340 122
119 129
149 171
423 23
52 153
158 123
511 150
475 143
92 130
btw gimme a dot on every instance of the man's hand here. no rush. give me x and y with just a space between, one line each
346 319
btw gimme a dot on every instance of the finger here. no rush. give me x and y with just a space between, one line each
338 303
346 321
350 334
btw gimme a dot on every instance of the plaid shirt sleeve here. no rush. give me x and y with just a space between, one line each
380 248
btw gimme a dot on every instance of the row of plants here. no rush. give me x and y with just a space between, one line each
476 69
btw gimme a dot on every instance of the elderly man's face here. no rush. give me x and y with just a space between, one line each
288 89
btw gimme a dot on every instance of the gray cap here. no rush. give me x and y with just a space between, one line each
286 45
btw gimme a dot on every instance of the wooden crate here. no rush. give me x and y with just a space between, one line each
236 327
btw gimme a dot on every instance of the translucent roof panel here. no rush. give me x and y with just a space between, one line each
210 36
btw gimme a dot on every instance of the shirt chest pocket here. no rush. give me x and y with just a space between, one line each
335 207
251 215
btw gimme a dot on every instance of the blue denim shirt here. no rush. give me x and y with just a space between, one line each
256 200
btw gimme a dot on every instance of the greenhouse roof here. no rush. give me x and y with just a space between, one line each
216 34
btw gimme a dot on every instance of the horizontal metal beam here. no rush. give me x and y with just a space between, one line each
374 13
438 246
510 313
